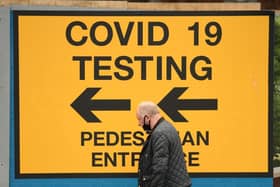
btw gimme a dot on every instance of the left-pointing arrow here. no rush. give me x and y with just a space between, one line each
84 105
171 103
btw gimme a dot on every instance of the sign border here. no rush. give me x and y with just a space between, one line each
15 84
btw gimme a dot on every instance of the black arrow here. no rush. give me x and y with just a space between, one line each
84 104
170 104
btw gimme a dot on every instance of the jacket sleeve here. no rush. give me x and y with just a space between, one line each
160 157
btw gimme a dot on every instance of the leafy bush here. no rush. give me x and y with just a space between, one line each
276 95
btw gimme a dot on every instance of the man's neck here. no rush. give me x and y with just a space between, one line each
154 120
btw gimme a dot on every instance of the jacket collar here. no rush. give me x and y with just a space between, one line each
158 122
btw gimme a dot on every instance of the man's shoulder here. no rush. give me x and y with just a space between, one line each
165 131
165 126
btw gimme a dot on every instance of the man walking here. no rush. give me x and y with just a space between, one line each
162 162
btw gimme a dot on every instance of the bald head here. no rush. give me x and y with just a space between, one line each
147 108
148 111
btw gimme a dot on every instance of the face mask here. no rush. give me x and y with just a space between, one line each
147 127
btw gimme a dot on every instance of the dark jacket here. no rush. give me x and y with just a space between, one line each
162 162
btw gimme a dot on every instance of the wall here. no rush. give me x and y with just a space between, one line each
5 97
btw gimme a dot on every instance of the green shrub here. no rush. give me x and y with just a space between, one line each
276 95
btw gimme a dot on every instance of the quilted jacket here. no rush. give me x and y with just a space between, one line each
162 162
